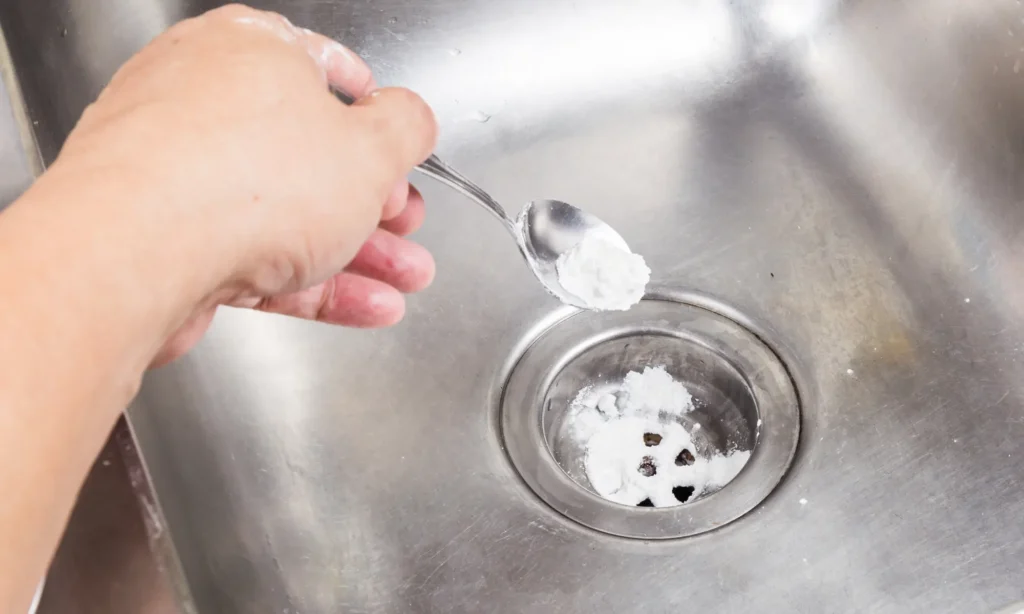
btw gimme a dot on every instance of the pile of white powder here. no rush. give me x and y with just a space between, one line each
636 448
603 275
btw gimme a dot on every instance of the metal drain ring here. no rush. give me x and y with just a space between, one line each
525 403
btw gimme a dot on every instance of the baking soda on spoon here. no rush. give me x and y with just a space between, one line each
603 275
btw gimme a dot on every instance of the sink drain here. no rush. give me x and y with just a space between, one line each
744 416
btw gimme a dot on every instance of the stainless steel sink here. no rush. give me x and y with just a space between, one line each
844 176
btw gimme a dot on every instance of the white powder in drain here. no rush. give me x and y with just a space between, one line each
584 414
636 447
654 390
603 275
608 405
641 395
722 468
623 469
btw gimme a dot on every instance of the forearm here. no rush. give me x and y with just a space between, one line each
77 330
244 183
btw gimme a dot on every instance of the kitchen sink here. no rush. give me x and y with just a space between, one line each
843 179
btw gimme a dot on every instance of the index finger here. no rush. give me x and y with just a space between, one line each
342 68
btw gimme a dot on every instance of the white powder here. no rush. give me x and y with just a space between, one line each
654 390
615 455
617 429
603 275
722 468
641 395
584 414
608 405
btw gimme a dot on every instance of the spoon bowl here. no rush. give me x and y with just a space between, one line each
543 230
546 229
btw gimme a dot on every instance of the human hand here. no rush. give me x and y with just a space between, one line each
271 193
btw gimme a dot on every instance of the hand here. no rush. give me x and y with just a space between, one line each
276 195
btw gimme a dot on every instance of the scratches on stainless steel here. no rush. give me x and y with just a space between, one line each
1000 400
449 549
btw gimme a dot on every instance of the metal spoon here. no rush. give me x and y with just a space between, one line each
543 230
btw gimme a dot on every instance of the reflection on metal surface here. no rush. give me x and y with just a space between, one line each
848 171
527 65
745 401
19 161
787 19
67 50
104 564
34 607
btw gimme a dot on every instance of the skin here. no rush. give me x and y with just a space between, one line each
215 169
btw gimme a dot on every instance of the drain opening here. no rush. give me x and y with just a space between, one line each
683 493
647 467
684 458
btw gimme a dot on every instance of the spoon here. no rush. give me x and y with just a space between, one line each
543 230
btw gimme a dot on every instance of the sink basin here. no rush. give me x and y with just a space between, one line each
843 177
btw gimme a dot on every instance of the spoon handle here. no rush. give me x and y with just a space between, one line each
433 167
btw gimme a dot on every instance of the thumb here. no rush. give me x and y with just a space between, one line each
403 130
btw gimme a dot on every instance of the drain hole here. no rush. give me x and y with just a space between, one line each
651 439
684 458
645 503
683 493
647 468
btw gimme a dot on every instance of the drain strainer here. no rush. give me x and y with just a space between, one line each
743 398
